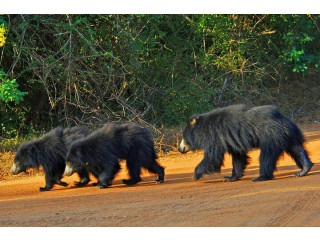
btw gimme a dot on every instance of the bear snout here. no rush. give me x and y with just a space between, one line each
68 170
14 169
183 148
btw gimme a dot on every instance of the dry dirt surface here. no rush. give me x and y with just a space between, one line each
284 201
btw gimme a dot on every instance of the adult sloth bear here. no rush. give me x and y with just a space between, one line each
239 128
101 151
50 151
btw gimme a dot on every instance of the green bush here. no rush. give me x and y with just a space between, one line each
10 97
9 90
156 69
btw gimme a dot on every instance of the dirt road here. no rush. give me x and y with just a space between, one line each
284 201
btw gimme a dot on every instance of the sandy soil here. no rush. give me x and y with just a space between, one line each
284 201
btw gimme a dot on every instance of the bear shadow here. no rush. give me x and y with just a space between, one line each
253 171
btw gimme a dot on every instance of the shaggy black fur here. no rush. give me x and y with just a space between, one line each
101 151
50 152
239 128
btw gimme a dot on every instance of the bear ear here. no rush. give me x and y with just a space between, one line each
193 121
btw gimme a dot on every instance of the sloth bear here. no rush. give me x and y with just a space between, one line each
239 128
101 151
50 151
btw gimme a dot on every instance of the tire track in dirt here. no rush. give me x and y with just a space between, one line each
298 211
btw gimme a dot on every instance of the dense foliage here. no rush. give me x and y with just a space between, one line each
157 69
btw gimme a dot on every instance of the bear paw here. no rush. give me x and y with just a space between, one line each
159 181
195 178
260 178
230 179
304 171
131 181
81 184
41 189
63 183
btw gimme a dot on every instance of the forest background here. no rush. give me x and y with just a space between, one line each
157 70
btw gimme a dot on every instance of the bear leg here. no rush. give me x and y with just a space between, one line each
268 159
59 182
62 183
103 181
211 162
199 171
49 183
84 178
154 167
203 167
107 174
239 162
134 171
301 158
115 170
